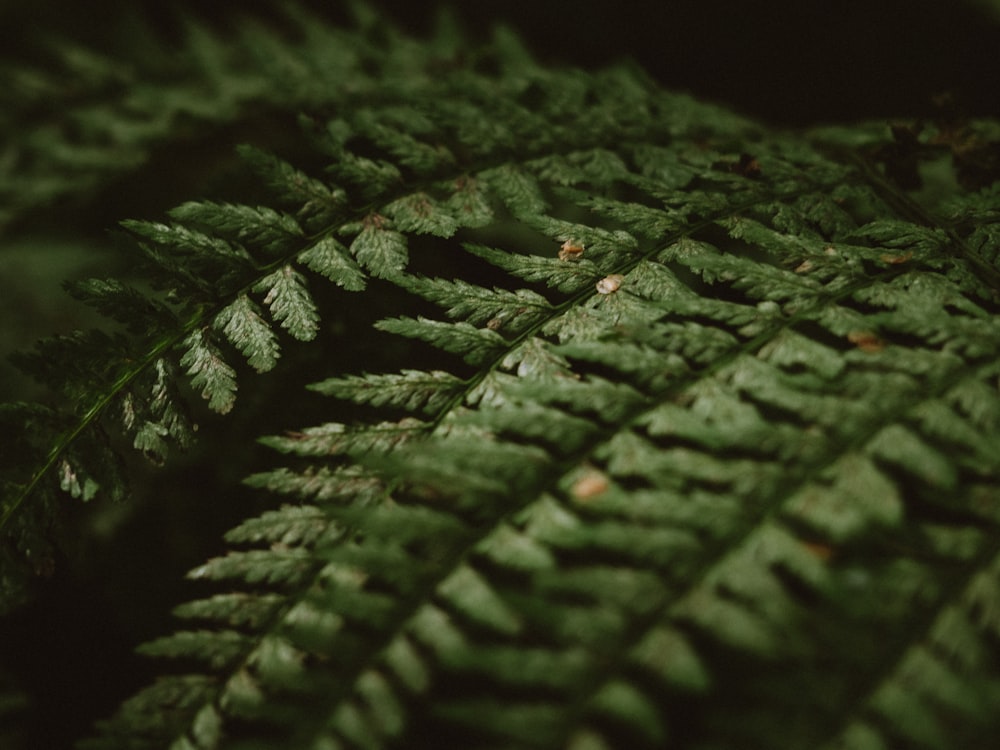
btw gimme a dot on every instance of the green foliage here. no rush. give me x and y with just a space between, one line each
709 460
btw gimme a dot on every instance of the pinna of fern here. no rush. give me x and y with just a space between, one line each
725 476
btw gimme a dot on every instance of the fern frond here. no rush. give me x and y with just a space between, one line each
474 345
209 371
412 390
242 324
314 200
258 227
717 466
333 439
290 303
566 276
496 308
331 259
715 454
382 252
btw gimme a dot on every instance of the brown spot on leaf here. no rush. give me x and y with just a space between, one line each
895 258
866 341
570 250
589 486
820 550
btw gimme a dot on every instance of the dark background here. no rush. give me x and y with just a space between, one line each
786 61
790 64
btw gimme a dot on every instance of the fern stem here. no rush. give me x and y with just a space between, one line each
94 412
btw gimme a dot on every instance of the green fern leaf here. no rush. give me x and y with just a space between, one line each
181 238
371 177
331 259
419 214
332 439
290 303
273 567
468 202
497 308
209 372
321 485
382 252
261 227
123 303
218 648
242 325
412 390
313 199
474 345
564 275
519 192
717 468
422 158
